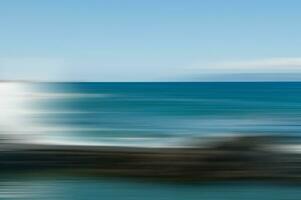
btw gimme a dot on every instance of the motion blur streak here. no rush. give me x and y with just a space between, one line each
132 140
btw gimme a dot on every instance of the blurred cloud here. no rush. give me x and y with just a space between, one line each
96 69
266 65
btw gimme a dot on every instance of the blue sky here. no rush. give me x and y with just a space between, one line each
141 40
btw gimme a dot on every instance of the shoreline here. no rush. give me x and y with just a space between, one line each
235 158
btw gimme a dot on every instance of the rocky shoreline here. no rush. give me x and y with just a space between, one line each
233 158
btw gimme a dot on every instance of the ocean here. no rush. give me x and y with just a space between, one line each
116 189
162 113
147 115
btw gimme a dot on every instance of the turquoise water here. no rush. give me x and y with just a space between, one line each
151 114
92 189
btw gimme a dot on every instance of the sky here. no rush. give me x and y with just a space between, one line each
155 40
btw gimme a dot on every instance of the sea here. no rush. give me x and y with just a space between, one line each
158 114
